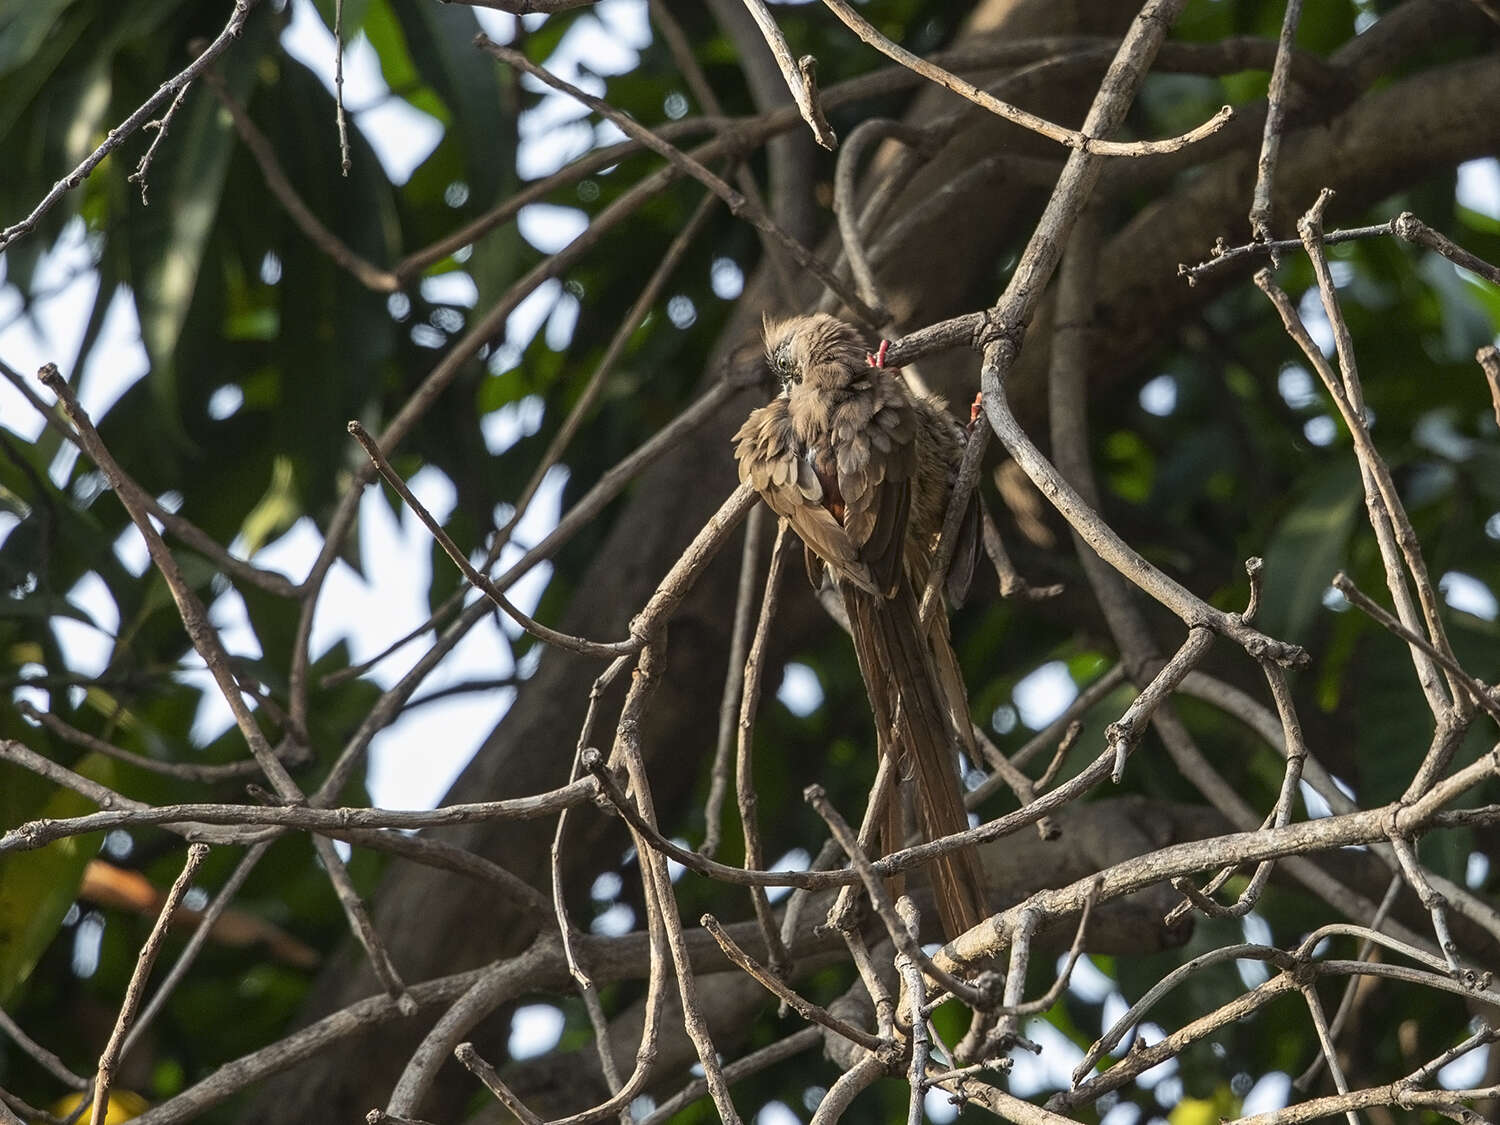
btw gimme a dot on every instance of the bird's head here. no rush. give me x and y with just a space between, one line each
820 349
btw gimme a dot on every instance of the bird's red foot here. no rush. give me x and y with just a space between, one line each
975 409
877 358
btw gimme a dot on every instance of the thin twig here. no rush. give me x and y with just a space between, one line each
1409 228
1436 904
1007 1030
1016 781
559 883
871 976
1137 1011
1295 971
657 885
367 273
1394 1094
1012 585
1112 548
340 117
1081 141
1122 735
184 771
1050 735
799 75
1045 1001
964 483
120 813
697 81
615 349
1304 1080
738 203
1428 1070
662 946
1270 142
34 834
1488 358
497 983
614 480
734 683
787 995
196 854
48 1061
744 779
1064 744
1295 750
1405 226
201 934
866 1070
845 206
482 1070
695 556
1482 695
842 915
160 126
1380 488
1325 1043
177 525
454 361
118 135
884 908
753 1063
490 589
915 991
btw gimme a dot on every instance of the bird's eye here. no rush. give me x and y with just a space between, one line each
781 362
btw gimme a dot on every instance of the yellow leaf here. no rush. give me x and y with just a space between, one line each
1203 1111
124 1105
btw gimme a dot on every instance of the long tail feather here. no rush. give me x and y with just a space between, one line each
908 693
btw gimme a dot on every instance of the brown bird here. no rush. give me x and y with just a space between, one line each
863 469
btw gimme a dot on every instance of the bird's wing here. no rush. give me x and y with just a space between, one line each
773 463
874 439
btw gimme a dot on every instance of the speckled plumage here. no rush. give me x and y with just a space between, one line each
862 469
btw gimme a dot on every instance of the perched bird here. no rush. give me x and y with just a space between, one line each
863 469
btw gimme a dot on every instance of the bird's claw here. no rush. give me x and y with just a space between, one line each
975 409
877 357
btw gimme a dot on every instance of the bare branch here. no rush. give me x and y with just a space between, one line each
768 1056
196 854
121 132
1270 144
1084 141
799 1004
480 1069
734 682
1488 358
738 204
799 74
48 1061
314 229
488 588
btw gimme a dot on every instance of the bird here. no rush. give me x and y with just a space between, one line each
862 469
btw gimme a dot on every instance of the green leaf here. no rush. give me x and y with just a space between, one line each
1306 550
37 887
278 509
184 184
440 38
25 29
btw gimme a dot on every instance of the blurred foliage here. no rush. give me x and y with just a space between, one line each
1246 459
